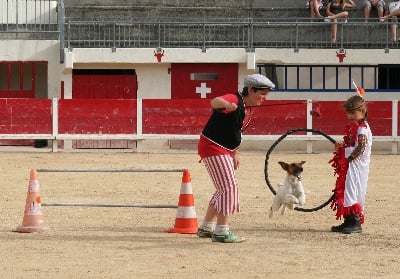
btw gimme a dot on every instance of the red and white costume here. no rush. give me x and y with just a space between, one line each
216 149
351 165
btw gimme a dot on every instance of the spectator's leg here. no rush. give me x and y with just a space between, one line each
395 32
393 28
316 8
380 11
339 15
393 15
366 13
380 6
367 9
312 12
334 31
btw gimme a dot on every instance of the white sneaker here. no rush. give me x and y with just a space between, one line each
327 19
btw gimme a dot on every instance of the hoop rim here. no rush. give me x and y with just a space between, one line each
289 132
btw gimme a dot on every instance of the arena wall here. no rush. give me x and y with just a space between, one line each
153 72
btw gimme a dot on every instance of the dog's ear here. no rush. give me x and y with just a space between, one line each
302 162
284 165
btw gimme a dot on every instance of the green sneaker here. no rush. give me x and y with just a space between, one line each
204 233
229 237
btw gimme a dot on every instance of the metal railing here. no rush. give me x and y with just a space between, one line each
45 19
27 19
244 33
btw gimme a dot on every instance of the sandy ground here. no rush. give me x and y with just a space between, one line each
102 242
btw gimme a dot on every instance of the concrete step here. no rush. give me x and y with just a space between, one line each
159 3
127 12
124 13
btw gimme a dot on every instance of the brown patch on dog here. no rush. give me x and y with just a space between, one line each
294 169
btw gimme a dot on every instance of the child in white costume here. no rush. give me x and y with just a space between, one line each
351 163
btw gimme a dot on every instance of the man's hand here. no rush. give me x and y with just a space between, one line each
236 161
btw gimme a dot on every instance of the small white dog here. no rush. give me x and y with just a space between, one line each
291 192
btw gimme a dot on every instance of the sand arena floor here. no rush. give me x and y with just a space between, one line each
93 242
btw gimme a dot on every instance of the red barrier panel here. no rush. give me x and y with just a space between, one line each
380 117
25 116
177 116
333 118
188 116
276 119
84 116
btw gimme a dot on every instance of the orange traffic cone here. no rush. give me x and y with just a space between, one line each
33 217
186 220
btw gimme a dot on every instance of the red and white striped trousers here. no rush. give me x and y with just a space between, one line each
226 197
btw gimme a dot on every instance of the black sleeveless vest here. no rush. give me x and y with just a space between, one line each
225 129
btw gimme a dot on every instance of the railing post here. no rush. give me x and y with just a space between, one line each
204 36
309 126
139 124
55 118
341 35
69 35
159 34
61 22
395 124
250 43
16 20
296 44
387 36
114 48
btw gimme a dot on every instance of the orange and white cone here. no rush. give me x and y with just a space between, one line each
33 220
186 220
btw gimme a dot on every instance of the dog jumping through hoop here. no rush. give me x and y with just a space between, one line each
291 191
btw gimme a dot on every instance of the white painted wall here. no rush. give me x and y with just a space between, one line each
147 67
153 77
327 56
29 50
154 81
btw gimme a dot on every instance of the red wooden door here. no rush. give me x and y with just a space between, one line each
104 84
